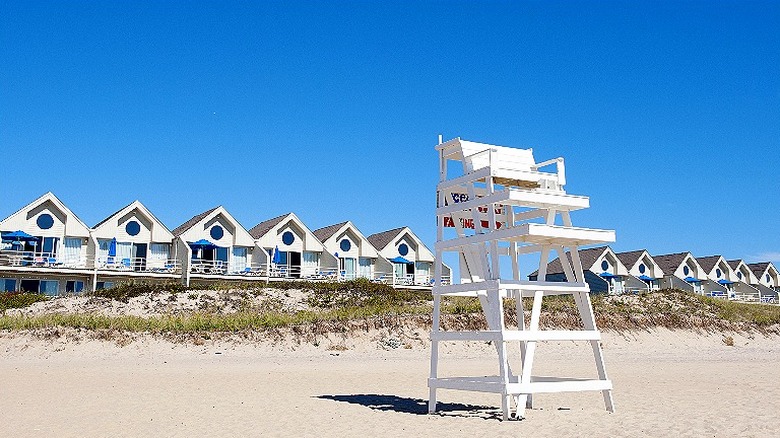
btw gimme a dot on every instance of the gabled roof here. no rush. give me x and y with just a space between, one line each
112 215
670 262
381 240
191 223
262 228
708 263
629 258
758 268
588 257
159 227
49 196
325 233
734 263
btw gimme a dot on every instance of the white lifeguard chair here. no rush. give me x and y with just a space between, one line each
501 205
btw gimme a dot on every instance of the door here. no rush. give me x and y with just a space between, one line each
295 264
348 266
139 256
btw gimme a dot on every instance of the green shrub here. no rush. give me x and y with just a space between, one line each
126 290
15 300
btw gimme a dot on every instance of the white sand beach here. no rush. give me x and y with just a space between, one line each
666 384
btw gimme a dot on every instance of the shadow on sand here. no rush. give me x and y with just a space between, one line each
416 406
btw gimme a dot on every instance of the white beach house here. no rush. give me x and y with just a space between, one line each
604 272
291 250
412 261
44 249
767 277
719 271
132 244
683 271
641 266
747 280
357 257
213 246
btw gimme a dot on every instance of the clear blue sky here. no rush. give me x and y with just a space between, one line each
668 113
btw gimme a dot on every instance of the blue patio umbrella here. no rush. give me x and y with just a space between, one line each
608 275
202 244
692 280
400 259
19 236
111 250
646 278
277 257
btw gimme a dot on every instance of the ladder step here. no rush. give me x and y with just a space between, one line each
493 384
549 287
518 335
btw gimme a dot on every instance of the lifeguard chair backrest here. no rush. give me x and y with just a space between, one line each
475 156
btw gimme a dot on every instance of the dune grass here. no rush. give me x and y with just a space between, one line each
340 304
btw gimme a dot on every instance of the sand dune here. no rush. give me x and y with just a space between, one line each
666 384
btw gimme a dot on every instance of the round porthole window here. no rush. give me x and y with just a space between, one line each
642 268
216 232
345 245
133 228
45 221
739 275
686 271
718 273
288 238
604 265
403 249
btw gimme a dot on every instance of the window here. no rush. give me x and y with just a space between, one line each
288 238
239 259
133 228
366 267
604 265
345 245
104 285
216 232
45 221
74 286
718 273
7 285
50 287
686 271
403 249
739 275
642 268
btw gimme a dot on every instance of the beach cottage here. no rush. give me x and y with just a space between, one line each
213 246
767 277
604 272
641 266
291 250
718 271
747 280
44 249
357 257
412 261
132 244
682 271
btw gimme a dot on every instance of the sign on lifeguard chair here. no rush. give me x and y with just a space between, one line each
502 205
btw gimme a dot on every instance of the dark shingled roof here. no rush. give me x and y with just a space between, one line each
178 231
708 262
381 240
112 215
587 257
670 262
629 258
758 268
260 229
325 233
733 263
